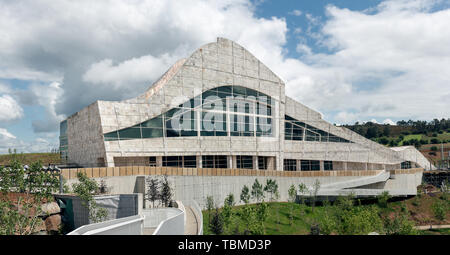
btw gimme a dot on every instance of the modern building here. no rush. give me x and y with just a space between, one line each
221 108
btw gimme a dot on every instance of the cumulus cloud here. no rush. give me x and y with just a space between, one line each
10 110
389 122
390 62
40 144
386 62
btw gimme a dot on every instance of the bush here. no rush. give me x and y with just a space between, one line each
435 141
433 148
216 224
383 199
439 210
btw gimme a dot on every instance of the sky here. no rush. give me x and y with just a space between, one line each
379 61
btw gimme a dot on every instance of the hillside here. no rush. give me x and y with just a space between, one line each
28 158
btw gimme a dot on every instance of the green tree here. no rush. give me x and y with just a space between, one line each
314 192
272 188
153 193
31 186
85 189
439 210
166 192
216 224
292 192
245 194
257 191
227 212
302 189
210 205
383 199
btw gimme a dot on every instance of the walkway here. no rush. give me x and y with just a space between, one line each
191 222
426 227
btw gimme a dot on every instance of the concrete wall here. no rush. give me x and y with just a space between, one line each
198 187
167 221
117 206
132 225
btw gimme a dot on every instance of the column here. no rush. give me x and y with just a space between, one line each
255 162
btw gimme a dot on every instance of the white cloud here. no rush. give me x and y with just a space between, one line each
389 62
4 134
295 13
10 110
389 122
39 144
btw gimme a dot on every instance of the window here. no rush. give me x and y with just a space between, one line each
328 165
244 162
216 161
262 163
190 161
152 161
297 131
290 165
406 165
242 106
172 161
309 165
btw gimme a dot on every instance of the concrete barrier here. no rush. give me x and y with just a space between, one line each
132 225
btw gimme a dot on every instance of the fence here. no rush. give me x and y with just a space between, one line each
97 172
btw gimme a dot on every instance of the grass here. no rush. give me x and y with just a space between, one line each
28 158
440 231
419 209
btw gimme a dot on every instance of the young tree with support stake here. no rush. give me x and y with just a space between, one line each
32 186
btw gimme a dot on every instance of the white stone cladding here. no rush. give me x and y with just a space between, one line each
213 65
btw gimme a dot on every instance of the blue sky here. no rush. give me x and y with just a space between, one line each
350 60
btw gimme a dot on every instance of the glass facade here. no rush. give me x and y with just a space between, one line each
222 111
300 131
63 142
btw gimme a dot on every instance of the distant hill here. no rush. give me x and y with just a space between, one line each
28 158
410 132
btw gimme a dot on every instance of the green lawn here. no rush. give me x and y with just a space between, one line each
278 223
441 231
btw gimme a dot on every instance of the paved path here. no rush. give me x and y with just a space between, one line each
148 231
191 222
431 227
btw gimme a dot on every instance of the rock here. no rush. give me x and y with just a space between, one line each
40 226
50 208
53 222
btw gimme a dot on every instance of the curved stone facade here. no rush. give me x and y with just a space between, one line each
313 145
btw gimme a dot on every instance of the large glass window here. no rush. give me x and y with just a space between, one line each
328 165
299 131
241 106
215 161
309 165
172 161
290 165
244 162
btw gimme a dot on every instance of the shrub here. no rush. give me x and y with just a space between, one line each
439 210
216 224
383 199
85 190
433 148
